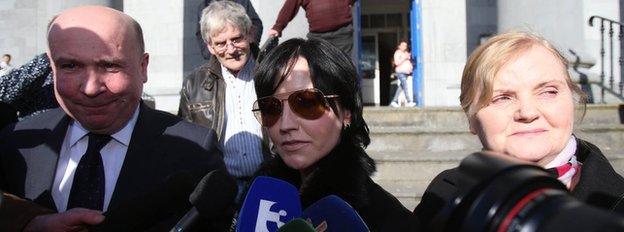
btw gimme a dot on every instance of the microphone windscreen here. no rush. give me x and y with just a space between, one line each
297 225
145 211
269 204
336 213
214 194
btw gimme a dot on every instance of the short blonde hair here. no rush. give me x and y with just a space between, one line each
487 60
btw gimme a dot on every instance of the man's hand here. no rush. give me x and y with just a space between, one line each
274 33
75 219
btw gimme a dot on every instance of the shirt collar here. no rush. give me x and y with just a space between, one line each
77 131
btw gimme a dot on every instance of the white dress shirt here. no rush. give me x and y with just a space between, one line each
74 147
242 134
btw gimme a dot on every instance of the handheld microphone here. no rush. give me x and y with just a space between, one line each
336 213
269 204
145 211
296 225
212 196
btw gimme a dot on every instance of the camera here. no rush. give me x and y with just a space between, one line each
492 192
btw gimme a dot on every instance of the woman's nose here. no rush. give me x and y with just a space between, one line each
527 111
288 121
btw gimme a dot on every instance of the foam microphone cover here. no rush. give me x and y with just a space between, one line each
270 203
297 225
338 214
214 194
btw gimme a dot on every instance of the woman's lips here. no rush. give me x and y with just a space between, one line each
293 145
530 132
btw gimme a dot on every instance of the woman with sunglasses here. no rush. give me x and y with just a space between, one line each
310 103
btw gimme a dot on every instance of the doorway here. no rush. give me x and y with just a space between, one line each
387 44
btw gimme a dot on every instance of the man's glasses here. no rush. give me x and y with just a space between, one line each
237 42
306 103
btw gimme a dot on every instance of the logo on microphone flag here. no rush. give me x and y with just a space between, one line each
269 204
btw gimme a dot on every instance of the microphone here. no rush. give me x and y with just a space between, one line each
212 196
296 225
154 208
269 204
336 213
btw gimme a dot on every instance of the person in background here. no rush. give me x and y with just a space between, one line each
330 20
5 64
255 21
29 89
219 94
103 147
402 62
520 101
310 103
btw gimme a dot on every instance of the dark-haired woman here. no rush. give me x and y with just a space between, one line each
310 103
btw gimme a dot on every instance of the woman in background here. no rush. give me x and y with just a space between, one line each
402 62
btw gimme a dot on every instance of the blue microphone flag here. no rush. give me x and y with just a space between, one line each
336 213
269 204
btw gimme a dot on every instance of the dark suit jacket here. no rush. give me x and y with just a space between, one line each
161 146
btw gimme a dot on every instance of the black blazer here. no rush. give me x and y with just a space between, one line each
599 185
161 146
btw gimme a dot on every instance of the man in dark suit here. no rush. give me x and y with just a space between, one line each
103 147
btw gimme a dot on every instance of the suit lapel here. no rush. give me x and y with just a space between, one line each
141 163
42 160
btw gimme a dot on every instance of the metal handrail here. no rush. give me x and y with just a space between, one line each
611 24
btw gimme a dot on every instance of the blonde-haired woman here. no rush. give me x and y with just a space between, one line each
520 101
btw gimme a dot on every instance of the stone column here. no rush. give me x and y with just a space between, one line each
444 51
23 24
559 21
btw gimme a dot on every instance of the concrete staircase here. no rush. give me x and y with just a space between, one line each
411 146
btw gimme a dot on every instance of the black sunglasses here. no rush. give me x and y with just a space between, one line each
306 103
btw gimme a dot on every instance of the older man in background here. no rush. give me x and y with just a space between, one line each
220 94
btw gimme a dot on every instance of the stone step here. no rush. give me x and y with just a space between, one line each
399 166
405 116
424 167
454 117
424 139
607 138
409 191
602 114
415 139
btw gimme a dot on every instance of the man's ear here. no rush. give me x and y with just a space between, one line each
144 63
210 49
52 63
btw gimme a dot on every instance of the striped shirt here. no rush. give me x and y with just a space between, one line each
242 134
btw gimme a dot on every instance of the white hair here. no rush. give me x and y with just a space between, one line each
217 14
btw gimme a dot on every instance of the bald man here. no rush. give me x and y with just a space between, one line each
103 148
